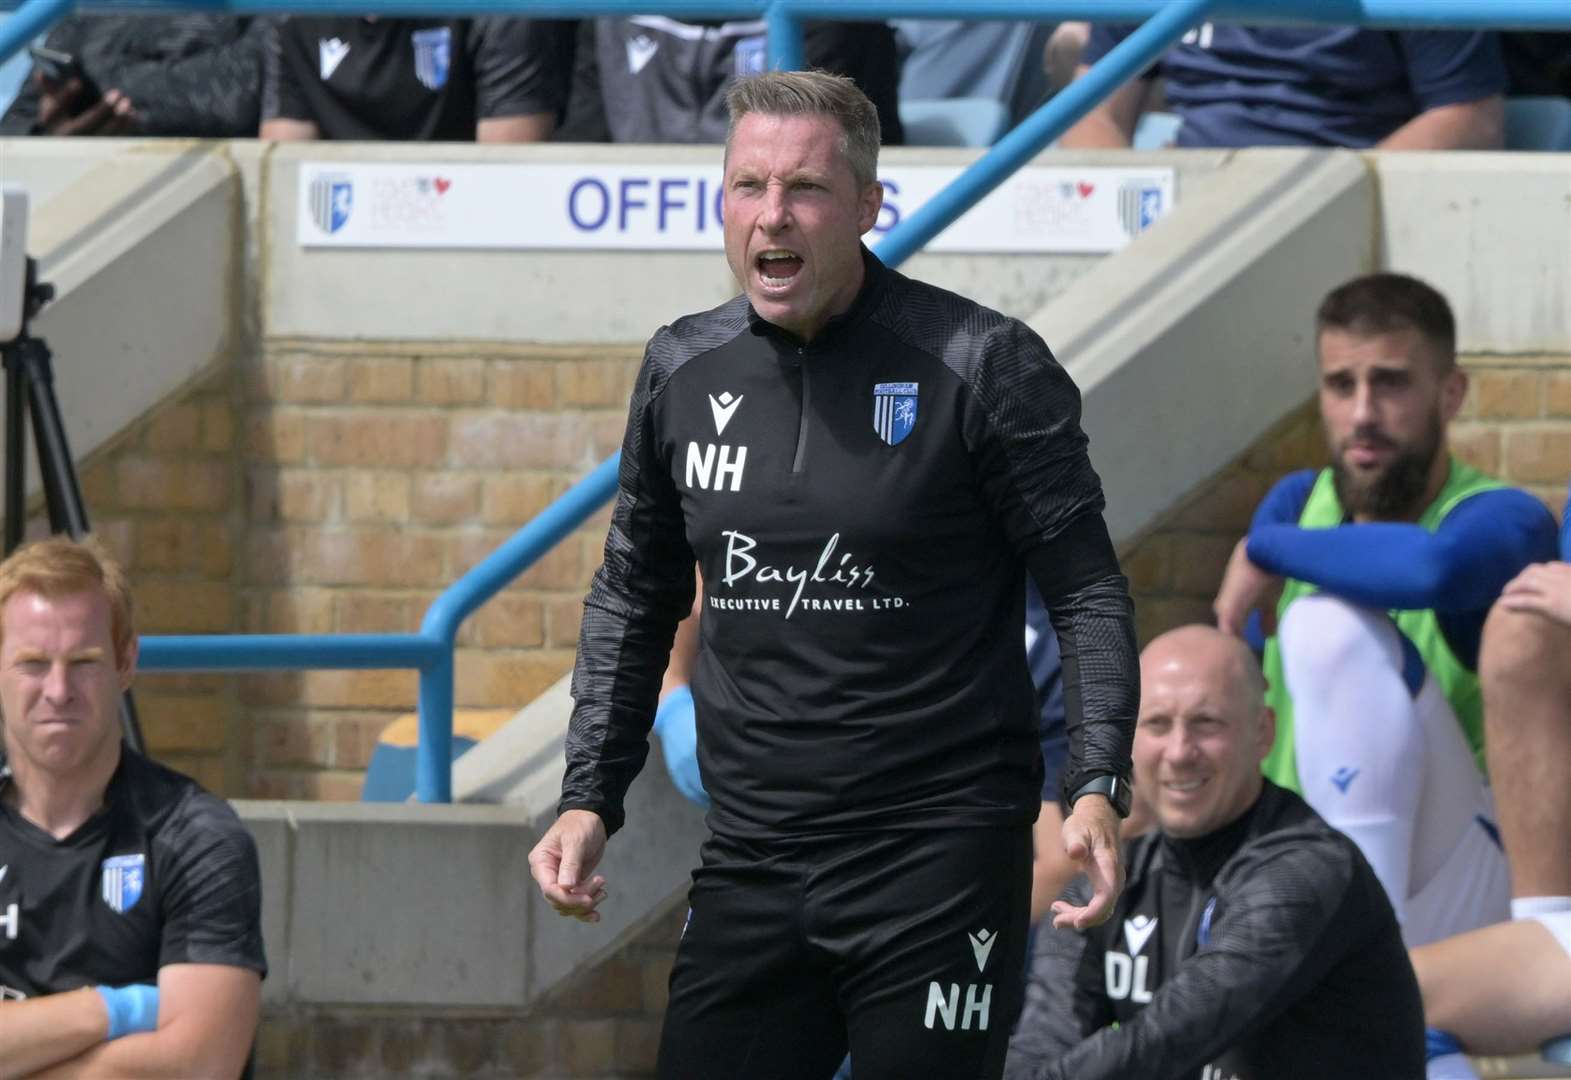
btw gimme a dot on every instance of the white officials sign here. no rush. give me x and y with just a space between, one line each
678 208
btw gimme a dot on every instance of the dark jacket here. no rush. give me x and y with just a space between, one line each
1264 951
864 509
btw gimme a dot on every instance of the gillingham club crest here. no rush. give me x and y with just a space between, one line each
123 879
1139 206
332 199
894 410
433 56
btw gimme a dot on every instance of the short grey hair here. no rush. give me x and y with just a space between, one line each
813 93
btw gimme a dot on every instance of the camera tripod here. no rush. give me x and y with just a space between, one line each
30 387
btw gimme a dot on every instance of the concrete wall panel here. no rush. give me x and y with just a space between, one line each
1492 232
1209 315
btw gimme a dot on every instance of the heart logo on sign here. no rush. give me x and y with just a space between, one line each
1085 189
442 185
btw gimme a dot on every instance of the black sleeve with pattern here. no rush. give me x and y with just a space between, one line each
1065 1001
1038 475
1282 927
639 594
211 84
212 892
518 67
282 98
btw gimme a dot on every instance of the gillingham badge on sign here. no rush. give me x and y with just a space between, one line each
1140 206
332 198
751 56
123 878
433 56
894 410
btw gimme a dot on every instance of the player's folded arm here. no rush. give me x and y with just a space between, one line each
207 1017
44 1031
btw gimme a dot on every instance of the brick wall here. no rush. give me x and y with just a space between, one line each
604 1022
339 488
374 478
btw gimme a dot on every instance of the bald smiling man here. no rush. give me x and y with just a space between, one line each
1251 939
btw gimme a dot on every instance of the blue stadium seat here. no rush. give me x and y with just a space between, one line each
390 775
1156 131
954 121
1558 1050
1538 123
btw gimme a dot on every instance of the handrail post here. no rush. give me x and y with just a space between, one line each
34 17
434 751
434 754
786 52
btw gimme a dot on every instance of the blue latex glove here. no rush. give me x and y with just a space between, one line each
679 741
133 1009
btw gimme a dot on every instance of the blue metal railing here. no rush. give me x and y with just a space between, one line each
431 650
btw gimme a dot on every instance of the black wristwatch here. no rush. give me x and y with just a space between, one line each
1116 788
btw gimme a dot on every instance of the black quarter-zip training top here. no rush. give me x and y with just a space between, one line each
863 508
1265 950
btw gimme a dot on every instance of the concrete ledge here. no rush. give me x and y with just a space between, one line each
376 904
1208 315
652 857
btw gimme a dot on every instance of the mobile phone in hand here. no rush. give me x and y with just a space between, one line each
60 68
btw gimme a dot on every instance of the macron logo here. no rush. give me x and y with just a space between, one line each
982 946
1137 932
641 50
723 409
1343 778
331 53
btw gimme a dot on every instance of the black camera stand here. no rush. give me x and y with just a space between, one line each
30 386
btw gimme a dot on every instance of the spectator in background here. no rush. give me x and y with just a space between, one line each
1378 573
1251 939
130 899
985 58
183 75
427 80
1061 58
1311 86
652 79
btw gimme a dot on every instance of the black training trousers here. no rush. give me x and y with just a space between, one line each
906 946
